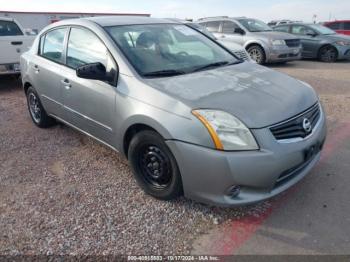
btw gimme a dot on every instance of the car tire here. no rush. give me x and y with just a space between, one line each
328 54
257 54
154 166
37 111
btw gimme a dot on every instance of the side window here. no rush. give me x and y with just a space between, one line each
347 26
52 44
8 28
283 28
85 47
213 26
229 27
334 26
302 30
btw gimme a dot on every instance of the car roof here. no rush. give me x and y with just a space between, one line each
127 20
214 18
296 24
6 19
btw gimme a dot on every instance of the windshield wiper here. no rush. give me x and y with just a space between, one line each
217 64
164 73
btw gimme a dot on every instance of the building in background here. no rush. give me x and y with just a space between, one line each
35 21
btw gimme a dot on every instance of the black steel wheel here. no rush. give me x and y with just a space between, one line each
154 166
328 54
37 111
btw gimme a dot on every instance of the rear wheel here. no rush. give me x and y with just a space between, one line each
154 166
257 54
37 111
328 54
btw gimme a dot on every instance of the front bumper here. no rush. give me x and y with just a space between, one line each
10 69
208 174
343 52
283 54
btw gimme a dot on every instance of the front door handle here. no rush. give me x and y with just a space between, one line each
16 43
67 85
36 69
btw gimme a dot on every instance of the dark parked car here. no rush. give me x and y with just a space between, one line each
341 27
319 41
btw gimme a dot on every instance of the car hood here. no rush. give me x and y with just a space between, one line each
275 35
258 96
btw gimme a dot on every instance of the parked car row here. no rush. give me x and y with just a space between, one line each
285 42
249 39
190 116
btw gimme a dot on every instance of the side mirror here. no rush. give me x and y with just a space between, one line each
312 34
239 31
94 71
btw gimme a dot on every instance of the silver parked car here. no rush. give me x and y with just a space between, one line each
237 49
190 117
262 43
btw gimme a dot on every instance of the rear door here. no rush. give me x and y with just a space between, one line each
13 42
89 104
46 68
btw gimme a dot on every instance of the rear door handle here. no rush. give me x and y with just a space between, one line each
16 43
67 85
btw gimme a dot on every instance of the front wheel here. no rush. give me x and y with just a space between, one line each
257 54
328 54
154 166
37 111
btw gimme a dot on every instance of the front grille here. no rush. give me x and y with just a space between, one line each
242 55
293 42
295 127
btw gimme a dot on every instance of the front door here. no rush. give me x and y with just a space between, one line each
309 40
231 32
89 104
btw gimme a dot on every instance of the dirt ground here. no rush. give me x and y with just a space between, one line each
63 193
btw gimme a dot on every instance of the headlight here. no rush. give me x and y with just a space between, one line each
343 43
228 132
278 42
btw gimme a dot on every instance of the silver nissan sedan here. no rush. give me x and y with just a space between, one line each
191 117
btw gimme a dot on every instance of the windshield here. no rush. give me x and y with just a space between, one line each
253 25
323 30
168 49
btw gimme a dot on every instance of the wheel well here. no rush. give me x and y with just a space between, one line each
325 45
256 44
26 87
131 132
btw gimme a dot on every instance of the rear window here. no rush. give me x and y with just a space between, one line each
283 28
347 26
8 28
213 26
334 26
52 44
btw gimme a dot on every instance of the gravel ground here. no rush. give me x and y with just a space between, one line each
63 193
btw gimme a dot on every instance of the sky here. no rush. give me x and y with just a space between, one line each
262 9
